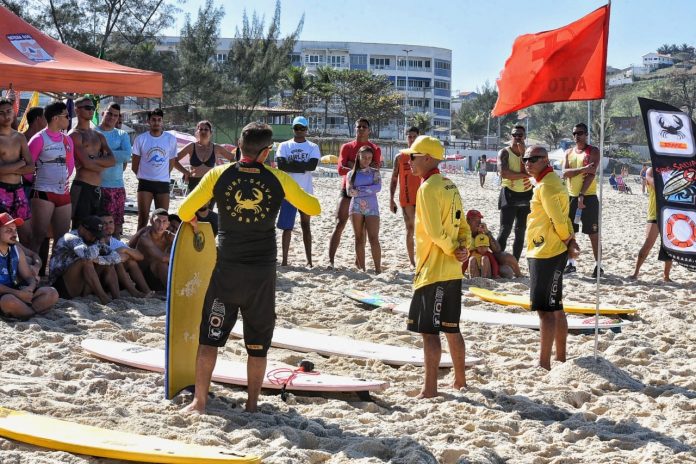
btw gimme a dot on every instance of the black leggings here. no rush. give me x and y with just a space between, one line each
508 216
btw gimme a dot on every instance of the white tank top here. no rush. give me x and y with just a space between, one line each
51 167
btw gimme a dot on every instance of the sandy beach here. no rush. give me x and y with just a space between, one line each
635 404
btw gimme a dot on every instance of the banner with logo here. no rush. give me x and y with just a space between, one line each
672 146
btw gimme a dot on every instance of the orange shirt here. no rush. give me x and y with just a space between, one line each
408 183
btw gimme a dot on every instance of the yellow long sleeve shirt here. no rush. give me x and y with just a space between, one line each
548 224
440 229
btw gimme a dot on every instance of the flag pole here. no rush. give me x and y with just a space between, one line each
599 232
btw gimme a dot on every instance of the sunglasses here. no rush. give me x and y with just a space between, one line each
518 135
532 159
86 107
413 156
299 128
579 133
362 127
270 147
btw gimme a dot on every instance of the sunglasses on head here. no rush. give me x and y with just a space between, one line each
579 133
532 159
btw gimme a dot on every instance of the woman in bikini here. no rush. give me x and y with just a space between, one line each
203 155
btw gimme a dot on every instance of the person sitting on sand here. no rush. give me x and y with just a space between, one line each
479 261
82 265
19 296
155 243
503 264
130 277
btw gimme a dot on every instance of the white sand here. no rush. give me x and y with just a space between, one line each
635 405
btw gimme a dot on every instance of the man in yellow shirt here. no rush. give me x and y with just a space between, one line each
550 239
579 169
249 195
442 240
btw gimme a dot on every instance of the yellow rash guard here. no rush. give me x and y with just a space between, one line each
441 228
548 224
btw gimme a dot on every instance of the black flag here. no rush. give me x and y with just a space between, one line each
673 153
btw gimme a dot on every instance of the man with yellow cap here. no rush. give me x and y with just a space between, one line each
442 240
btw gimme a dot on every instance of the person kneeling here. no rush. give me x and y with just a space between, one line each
19 297
82 265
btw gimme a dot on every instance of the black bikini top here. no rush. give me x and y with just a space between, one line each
195 161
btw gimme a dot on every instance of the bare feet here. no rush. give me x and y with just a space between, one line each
194 408
426 394
458 386
667 279
633 277
104 298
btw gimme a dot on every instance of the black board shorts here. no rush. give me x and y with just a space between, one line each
436 308
232 289
590 214
546 282
153 186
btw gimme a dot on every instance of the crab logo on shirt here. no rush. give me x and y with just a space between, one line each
156 157
539 241
247 200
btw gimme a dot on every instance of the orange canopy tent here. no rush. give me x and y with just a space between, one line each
31 60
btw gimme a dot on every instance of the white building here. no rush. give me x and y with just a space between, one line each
654 61
429 72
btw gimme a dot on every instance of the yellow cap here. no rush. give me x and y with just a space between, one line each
481 240
428 146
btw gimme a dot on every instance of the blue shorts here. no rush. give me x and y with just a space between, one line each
286 217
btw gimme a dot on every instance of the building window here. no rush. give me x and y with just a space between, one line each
442 64
336 61
314 59
442 85
358 59
441 105
221 57
295 58
380 63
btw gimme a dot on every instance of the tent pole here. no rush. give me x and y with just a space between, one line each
599 233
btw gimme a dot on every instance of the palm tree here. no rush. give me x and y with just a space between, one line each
296 80
423 121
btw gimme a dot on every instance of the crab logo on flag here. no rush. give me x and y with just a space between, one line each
28 47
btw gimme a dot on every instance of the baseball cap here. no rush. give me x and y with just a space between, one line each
473 213
95 225
482 240
6 220
300 121
428 146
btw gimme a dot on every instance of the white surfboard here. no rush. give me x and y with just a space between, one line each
233 372
529 321
307 341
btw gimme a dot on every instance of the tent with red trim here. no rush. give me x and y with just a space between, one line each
31 60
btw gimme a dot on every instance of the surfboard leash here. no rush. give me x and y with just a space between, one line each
285 376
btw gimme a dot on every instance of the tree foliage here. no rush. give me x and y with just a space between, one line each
363 94
257 60
472 120
298 83
199 80
422 121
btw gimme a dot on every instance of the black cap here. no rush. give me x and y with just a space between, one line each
95 225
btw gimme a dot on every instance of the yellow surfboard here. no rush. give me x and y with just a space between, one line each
67 436
190 266
523 301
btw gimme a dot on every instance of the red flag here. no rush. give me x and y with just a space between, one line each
564 64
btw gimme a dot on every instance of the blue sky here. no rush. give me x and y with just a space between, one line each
479 33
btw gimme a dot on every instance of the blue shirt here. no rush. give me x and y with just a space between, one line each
120 145
7 279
